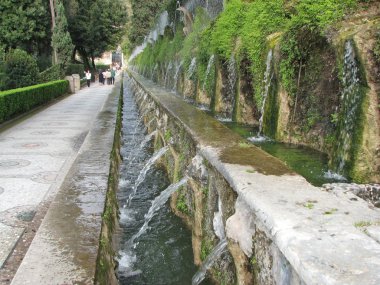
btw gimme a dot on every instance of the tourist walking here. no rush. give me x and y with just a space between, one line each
88 77
105 77
108 77
101 77
113 74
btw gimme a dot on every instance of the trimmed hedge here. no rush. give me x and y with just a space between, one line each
51 74
21 100
102 66
74 68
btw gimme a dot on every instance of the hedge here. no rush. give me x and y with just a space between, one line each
53 73
17 101
74 68
102 66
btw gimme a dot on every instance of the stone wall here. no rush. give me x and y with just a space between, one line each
280 229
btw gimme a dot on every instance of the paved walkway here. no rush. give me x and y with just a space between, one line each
35 156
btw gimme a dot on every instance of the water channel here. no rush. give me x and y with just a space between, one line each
310 163
155 245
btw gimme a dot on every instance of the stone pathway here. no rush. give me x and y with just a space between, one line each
36 153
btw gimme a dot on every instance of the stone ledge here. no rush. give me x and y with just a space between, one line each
322 236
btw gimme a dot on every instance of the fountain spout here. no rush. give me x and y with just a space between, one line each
187 20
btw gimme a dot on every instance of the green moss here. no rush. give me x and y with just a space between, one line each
244 144
192 43
168 136
330 212
181 203
362 224
206 248
205 191
270 119
376 49
309 205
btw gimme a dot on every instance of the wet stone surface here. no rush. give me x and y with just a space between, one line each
14 163
368 192
45 177
26 216
31 145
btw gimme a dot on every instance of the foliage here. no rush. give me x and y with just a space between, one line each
75 69
305 31
20 69
227 28
95 26
191 42
181 204
206 248
263 18
51 74
61 39
376 49
308 13
17 101
102 66
163 51
142 19
24 24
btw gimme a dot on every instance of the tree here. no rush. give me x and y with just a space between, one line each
95 26
61 39
24 24
20 69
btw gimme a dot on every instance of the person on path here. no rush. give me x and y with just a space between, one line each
105 76
88 77
101 77
113 74
108 76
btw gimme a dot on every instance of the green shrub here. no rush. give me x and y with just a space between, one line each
304 32
2 74
191 42
51 74
21 100
102 66
227 28
75 69
376 49
20 69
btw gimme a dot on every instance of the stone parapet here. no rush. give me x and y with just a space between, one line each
280 228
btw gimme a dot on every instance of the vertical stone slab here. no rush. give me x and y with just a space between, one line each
76 81
71 83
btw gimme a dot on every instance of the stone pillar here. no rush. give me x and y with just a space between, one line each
76 79
71 83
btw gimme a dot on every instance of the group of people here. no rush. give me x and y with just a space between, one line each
104 76
107 76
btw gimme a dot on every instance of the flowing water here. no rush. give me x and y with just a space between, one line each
176 75
192 68
268 75
155 246
212 7
167 74
218 250
350 101
231 84
208 70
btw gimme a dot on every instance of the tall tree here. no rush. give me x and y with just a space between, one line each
52 12
61 39
24 24
95 25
